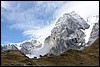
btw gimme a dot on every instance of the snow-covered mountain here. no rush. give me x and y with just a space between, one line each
67 33
70 32
8 47
30 45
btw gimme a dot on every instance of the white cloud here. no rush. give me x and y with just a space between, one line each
40 34
3 4
33 18
83 8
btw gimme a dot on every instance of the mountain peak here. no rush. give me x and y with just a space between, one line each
68 33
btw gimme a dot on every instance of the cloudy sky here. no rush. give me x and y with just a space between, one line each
22 20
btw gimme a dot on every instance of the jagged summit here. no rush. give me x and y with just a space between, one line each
79 22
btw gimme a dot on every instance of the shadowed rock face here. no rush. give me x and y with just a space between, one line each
67 33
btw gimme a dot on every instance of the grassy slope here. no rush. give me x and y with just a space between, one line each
88 57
